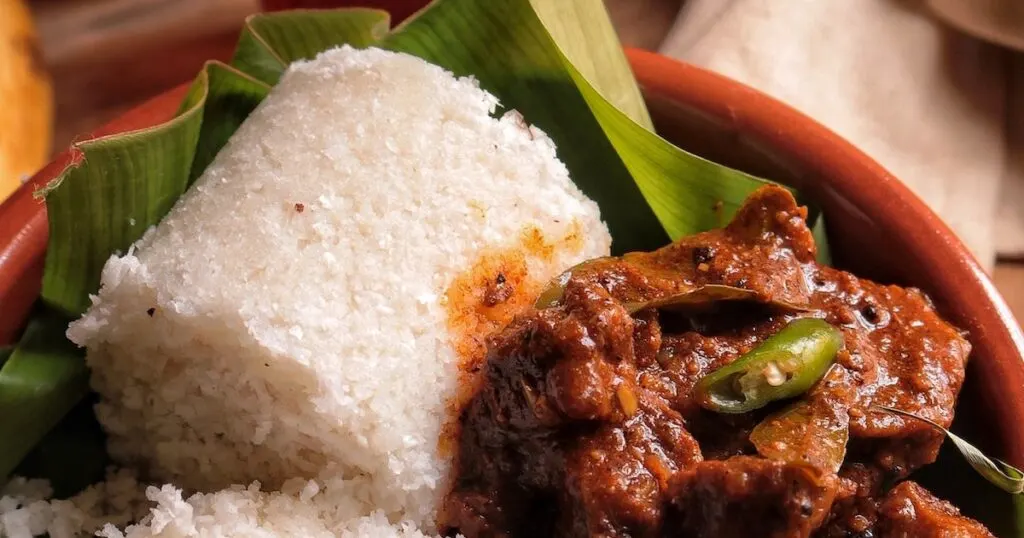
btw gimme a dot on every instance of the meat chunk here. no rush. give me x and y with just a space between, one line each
910 511
563 439
899 353
616 478
855 510
748 496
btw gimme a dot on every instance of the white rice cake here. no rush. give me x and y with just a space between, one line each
303 509
288 318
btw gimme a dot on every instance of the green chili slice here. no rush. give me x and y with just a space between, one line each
785 365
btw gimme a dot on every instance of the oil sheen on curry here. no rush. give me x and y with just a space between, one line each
723 386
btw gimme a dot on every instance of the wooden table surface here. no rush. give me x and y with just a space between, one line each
90 45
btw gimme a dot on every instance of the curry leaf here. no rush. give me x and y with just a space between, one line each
1001 474
804 433
703 297
555 289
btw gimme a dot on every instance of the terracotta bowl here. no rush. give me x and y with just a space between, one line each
877 229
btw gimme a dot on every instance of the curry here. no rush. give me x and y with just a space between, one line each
726 385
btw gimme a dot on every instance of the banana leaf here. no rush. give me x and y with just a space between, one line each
268 44
41 381
123 185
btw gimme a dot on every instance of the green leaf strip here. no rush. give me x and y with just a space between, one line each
1001 474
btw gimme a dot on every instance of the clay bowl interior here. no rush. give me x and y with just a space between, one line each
877 229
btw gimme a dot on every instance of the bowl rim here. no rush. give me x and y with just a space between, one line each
995 333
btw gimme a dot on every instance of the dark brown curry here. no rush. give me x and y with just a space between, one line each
586 422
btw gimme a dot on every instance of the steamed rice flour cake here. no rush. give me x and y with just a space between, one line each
290 317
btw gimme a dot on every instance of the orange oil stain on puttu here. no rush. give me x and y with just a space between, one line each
486 297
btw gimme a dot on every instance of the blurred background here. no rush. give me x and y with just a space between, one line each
68 66
90 45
